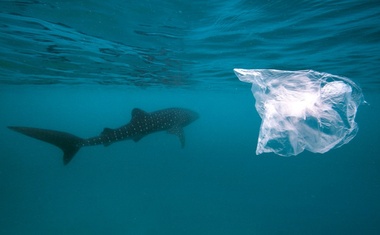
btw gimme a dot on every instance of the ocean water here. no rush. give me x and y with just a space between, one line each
81 66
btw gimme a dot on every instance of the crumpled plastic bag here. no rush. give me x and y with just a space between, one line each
303 110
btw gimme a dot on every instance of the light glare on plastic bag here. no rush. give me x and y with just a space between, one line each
303 110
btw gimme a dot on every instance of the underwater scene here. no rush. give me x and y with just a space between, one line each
189 117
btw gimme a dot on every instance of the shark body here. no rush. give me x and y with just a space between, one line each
141 124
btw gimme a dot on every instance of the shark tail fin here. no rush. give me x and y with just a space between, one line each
68 143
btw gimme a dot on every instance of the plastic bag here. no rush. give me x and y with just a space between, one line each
303 110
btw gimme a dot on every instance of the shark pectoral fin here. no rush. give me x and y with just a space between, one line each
137 138
178 131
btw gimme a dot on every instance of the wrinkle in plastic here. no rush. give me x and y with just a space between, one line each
303 110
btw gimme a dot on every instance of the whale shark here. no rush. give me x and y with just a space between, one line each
142 123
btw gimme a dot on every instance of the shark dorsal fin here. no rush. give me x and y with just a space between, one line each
138 113
107 131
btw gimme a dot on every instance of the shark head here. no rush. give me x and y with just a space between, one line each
188 116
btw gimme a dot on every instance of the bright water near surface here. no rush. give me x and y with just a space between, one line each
80 66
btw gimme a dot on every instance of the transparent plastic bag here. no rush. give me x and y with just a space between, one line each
303 109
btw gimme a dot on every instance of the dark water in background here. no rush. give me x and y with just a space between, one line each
80 67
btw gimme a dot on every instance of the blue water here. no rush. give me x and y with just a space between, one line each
80 66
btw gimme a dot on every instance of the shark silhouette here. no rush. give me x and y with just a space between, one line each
142 123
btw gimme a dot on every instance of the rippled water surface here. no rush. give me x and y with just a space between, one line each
174 43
